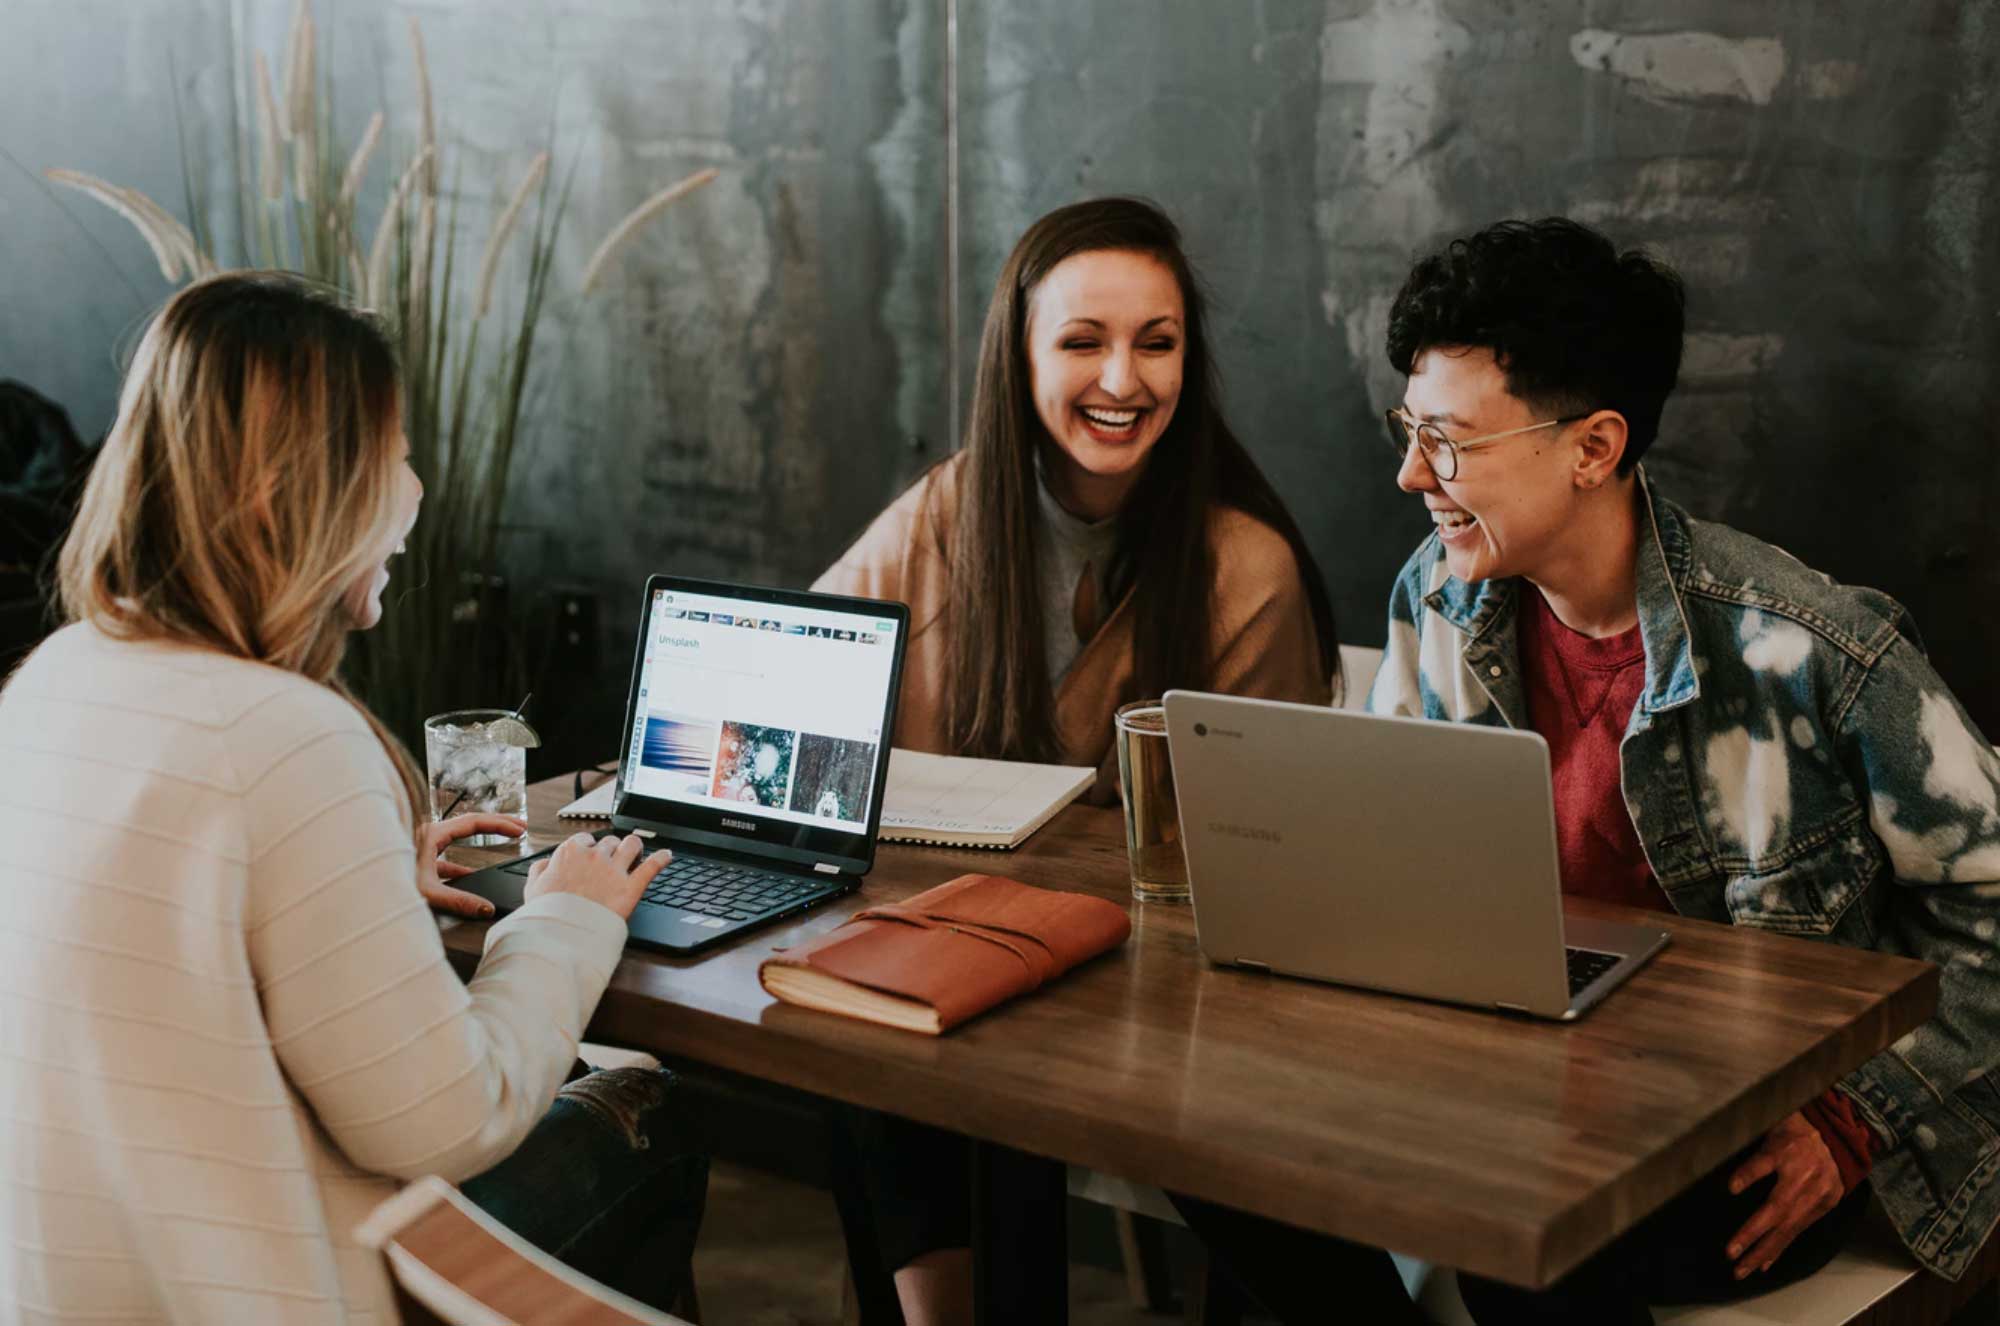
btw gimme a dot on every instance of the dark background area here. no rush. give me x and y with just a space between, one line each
777 359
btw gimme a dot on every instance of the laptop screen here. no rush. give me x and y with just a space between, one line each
762 715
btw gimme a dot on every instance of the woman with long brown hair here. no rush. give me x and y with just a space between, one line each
230 1025
1101 537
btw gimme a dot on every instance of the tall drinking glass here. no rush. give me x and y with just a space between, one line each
1152 816
477 763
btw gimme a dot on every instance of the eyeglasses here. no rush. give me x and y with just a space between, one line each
1440 452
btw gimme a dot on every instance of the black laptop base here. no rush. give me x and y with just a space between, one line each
699 901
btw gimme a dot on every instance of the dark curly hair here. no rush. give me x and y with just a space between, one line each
1575 324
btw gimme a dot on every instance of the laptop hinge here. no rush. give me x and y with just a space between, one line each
826 868
1509 1008
1254 965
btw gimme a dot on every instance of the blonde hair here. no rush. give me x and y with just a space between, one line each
249 475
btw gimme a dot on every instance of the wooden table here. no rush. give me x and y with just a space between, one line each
1507 1147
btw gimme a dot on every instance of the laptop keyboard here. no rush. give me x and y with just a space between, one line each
1586 965
715 888
734 893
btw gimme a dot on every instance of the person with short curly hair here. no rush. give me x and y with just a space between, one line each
1732 736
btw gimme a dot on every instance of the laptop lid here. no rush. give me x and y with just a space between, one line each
1394 853
758 721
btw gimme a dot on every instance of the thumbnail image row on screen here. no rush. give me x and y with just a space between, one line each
770 624
775 767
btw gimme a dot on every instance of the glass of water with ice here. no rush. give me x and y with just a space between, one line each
478 762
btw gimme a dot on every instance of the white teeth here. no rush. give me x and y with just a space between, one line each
1453 519
1111 418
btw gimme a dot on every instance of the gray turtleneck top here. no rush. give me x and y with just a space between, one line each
1065 545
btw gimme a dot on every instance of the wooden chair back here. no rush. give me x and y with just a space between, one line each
454 1264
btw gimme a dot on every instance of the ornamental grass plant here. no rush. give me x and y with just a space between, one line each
467 349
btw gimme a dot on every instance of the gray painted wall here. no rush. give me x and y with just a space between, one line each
772 363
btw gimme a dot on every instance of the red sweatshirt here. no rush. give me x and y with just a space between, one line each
1580 693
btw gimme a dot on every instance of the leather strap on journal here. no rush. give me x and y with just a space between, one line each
965 946
1033 953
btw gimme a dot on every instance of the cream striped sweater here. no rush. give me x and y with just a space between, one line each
227 1024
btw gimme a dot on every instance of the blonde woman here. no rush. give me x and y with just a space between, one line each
229 1026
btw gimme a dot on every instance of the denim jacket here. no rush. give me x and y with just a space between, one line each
1795 764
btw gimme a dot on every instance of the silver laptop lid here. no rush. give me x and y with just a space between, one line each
1393 853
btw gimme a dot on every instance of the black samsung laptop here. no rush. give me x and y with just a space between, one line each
756 747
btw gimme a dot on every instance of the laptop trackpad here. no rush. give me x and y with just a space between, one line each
499 885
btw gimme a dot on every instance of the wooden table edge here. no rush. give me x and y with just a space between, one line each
627 1018
1697 1152
630 1018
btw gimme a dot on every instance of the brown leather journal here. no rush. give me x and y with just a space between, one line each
946 955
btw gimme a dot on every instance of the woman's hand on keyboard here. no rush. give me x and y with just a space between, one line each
611 871
433 870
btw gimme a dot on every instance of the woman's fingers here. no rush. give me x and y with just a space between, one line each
653 865
627 851
457 902
453 870
464 826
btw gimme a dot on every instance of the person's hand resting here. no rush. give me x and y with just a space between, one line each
1808 1187
611 871
433 869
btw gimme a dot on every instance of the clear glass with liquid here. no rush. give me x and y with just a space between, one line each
1152 815
476 765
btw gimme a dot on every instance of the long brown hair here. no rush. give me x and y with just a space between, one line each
249 474
1000 700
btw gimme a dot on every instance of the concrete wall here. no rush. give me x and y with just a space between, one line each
761 356
773 361
1821 174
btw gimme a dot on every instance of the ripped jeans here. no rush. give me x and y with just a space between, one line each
611 1182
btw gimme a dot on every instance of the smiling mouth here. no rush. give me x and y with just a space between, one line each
1453 522
1111 424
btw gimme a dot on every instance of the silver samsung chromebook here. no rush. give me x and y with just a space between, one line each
1393 853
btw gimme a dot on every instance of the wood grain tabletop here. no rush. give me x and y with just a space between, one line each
1506 1146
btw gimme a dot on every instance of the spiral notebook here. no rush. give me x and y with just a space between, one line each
943 800
954 801
596 804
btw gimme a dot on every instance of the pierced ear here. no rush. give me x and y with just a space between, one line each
1601 439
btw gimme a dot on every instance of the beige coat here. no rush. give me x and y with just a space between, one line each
1264 641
